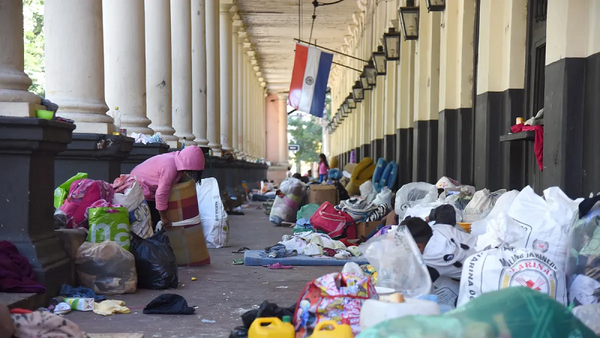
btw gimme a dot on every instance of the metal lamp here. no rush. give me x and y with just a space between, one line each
409 18
436 5
364 83
391 44
346 108
380 61
357 92
371 74
351 102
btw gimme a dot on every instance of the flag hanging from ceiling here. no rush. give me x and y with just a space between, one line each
309 80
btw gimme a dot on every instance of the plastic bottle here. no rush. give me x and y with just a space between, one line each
337 331
272 327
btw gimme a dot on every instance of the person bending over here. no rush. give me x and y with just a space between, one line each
159 173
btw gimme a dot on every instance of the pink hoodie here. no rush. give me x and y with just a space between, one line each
157 174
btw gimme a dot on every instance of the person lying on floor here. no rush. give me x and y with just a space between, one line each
443 246
159 173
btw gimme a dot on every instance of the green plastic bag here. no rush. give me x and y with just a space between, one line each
517 312
109 224
60 193
307 211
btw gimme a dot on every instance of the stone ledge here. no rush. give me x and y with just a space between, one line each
29 301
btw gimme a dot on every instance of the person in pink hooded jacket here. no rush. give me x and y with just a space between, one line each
159 173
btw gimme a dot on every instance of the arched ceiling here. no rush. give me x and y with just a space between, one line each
272 26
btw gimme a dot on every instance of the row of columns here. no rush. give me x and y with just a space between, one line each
178 67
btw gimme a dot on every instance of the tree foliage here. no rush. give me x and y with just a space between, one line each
33 19
306 132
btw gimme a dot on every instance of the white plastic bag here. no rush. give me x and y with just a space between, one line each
412 194
398 261
506 267
446 289
212 213
139 213
589 314
287 203
366 188
384 197
546 222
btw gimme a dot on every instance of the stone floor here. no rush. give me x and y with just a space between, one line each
222 291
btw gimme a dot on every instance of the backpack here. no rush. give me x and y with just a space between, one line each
336 297
82 194
333 222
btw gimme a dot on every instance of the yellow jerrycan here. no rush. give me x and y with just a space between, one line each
272 327
337 331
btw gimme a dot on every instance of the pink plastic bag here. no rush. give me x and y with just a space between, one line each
82 194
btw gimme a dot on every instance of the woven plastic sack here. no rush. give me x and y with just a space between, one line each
398 261
481 205
412 194
140 220
106 268
287 202
214 218
515 312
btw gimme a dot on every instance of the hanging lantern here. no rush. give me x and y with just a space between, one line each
371 74
409 18
391 44
364 83
436 5
357 92
351 102
380 61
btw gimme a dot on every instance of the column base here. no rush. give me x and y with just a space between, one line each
98 155
20 109
140 153
29 145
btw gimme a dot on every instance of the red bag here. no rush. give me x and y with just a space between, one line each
82 194
333 222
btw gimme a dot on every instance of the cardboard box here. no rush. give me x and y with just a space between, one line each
318 194
366 228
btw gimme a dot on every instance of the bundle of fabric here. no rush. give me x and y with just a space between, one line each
16 274
287 202
317 244
362 173
357 208
82 194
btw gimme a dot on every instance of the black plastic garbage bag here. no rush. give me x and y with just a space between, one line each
155 261
267 309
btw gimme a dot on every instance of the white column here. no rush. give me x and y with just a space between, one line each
225 72
283 140
199 71
158 69
241 92
14 98
74 63
235 80
213 84
125 64
181 49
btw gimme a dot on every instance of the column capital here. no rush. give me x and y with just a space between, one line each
233 10
242 34
225 5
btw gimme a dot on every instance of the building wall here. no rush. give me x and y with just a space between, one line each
272 122
442 109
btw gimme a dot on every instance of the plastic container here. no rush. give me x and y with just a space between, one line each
466 226
45 114
374 311
336 331
272 327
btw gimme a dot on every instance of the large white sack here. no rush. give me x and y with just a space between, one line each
413 194
504 267
133 200
546 223
212 213
446 289
481 205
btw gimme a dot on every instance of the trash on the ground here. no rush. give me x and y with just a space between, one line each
62 309
110 307
168 304
106 268
238 262
279 266
80 304
282 287
194 279
208 321
155 261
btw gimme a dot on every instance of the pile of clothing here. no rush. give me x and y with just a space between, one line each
311 244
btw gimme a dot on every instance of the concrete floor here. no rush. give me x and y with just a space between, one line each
222 292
